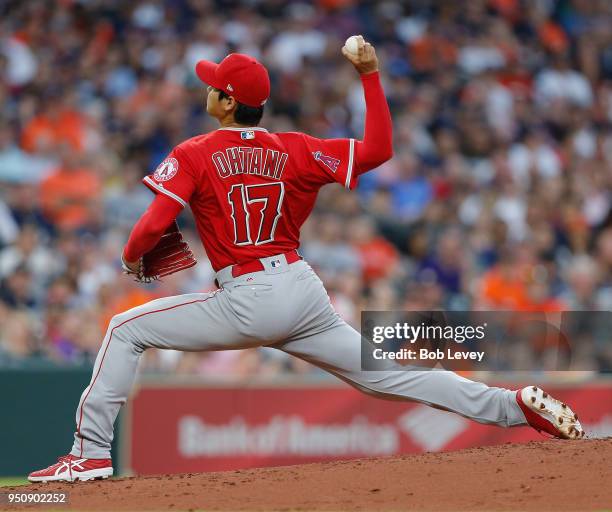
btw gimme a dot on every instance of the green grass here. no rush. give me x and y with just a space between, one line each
6 481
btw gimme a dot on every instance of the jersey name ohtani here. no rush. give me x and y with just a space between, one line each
249 160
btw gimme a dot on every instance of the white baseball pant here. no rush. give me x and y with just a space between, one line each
285 307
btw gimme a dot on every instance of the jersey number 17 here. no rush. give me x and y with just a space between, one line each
241 198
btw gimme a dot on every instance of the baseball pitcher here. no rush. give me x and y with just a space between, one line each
250 191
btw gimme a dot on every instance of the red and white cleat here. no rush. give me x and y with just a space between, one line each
71 469
545 413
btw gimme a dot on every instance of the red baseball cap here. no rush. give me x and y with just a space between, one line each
238 75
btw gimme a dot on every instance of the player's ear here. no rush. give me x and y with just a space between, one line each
230 104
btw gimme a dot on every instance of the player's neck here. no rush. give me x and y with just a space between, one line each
230 123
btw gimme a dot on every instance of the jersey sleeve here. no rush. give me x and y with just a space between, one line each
174 177
332 160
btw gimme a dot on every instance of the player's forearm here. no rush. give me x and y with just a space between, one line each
377 145
150 227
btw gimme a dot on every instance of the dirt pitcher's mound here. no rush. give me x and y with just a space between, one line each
551 475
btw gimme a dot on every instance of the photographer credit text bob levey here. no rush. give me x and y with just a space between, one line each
405 332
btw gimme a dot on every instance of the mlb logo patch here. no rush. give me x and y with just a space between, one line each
247 135
275 263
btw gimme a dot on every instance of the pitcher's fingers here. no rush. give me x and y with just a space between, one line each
350 56
346 53
360 45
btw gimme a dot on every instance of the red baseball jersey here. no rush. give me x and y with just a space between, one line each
250 191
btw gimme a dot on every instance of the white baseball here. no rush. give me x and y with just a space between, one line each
352 45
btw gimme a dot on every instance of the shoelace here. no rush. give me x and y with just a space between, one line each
66 459
63 458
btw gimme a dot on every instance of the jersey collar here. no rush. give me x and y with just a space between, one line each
243 129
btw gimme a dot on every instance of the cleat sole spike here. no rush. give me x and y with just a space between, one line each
547 414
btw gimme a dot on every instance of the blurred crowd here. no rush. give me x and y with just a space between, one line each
498 195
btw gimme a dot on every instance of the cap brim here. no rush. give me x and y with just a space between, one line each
207 72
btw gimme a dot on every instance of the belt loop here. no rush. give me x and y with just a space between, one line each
223 276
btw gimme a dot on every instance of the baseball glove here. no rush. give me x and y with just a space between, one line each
171 254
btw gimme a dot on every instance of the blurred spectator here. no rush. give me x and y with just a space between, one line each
16 289
30 253
17 166
126 201
446 262
583 277
21 64
53 127
71 195
561 83
17 338
8 227
378 256
329 251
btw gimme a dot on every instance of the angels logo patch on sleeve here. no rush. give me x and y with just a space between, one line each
166 170
327 161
